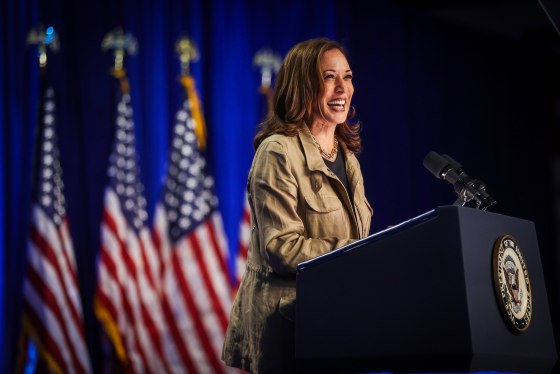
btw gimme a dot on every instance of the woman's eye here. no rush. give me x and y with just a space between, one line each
329 76
349 77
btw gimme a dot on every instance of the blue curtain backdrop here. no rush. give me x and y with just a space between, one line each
421 85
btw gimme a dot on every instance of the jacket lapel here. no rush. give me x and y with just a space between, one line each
315 162
312 157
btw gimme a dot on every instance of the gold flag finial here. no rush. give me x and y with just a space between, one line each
44 39
121 43
187 51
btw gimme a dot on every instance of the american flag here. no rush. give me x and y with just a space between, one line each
189 234
53 311
128 296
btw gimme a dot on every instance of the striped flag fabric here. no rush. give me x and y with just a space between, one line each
189 234
127 299
53 318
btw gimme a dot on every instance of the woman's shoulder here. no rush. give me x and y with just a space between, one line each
279 138
278 141
283 148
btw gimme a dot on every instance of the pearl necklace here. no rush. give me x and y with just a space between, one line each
324 153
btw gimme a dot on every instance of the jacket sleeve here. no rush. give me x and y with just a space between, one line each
274 194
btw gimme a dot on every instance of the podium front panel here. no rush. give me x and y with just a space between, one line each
420 296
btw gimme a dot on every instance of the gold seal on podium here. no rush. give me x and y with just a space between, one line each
512 285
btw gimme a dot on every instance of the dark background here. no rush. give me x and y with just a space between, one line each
478 80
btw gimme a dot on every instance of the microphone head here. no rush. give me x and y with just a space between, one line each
454 164
436 164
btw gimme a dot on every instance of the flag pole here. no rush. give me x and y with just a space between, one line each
121 44
187 52
44 40
188 228
128 294
53 315
28 358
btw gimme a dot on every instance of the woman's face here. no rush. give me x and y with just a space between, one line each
335 98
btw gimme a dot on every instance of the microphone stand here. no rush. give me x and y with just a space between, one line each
468 189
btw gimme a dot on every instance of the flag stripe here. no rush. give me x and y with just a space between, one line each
129 298
52 306
114 273
159 250
149 305
43 260
147 270
217 248
205 296
181 320
42 333
57 316
208 284
127 291
222 275
111 296
68 250
48 255
69 265
193 313
163 247
193 249
177 339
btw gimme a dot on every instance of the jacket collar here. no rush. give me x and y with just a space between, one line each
312 156
315 161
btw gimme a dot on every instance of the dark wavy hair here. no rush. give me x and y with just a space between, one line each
297 88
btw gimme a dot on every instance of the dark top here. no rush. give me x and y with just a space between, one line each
338 167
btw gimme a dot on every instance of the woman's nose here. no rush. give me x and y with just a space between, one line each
340 87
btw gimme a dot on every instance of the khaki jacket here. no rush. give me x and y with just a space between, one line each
299 210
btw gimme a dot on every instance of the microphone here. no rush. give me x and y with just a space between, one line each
468 189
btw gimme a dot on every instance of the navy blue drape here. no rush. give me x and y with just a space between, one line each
421 85
19 91
487 100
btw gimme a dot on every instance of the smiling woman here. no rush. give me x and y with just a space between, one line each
305 201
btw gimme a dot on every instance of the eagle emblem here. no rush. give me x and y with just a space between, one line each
512 284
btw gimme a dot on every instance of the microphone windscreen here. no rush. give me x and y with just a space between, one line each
454 164
435 164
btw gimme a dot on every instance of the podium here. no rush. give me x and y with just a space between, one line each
422 297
